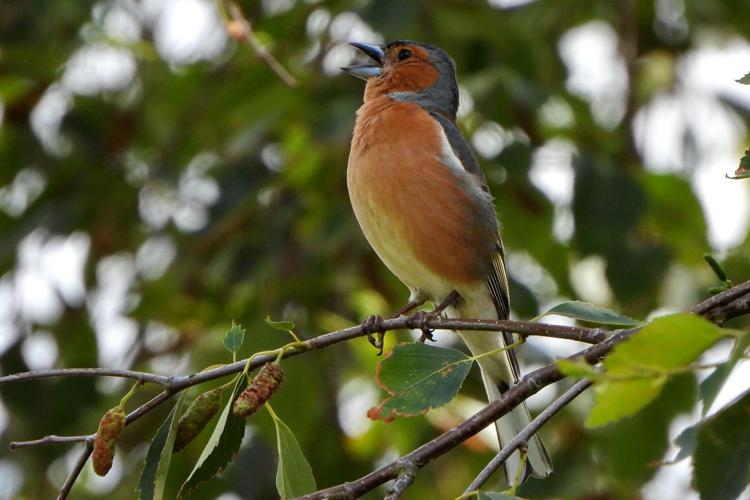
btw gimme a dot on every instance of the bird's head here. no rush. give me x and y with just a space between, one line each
409 71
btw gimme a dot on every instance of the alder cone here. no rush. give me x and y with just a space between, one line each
196 417
109 430
260 390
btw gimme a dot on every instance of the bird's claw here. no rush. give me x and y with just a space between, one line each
374 324
419 320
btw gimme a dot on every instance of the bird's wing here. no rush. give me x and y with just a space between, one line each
497 281
461 148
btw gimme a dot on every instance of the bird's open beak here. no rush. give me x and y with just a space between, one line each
367 71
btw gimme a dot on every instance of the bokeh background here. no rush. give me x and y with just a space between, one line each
157 181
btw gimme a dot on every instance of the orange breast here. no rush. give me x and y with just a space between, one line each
409 205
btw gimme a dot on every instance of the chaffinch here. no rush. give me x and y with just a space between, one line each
423 204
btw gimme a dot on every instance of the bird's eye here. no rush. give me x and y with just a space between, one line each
404 54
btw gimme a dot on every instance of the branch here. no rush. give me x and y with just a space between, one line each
244 32
86 372
713 305
176 384
77 468
403 481
51 439
523 437
525 388
731 303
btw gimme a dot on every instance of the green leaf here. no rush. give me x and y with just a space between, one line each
156 466
419 377
722 454
666 343
629 449
686 442
221 447
577 369
234 338
745 80
492 495
617 399
593 314
711 386
743 170
636 369
294 476
284 326
745 160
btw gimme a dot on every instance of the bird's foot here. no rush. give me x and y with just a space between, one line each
374 325
420 321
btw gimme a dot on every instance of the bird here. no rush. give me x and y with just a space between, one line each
423 204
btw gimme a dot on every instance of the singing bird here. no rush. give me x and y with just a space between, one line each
423 204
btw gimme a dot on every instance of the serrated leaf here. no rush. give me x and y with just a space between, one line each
665 343
234 338
284 326
745 80
294 476
592 314
221 447
636 370
711 386
419 377
492 495
159 455
721 461
577 369
617 399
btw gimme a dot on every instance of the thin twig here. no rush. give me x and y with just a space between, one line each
77 468
51 439
720 299
526 387
86 372
524 328
526 434
261 51
734 299
403 481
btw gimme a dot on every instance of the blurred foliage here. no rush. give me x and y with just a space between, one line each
206 191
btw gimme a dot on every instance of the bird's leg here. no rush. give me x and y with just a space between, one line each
421 318
374 324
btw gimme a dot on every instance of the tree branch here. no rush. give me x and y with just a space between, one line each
86 372
77 468
175 384
523 437
731 303
526 387
713 304
51 439
403 481
246 33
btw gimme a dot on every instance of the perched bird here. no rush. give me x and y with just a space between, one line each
423 204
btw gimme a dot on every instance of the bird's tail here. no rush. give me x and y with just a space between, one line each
498 375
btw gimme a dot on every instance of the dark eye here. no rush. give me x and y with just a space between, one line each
404 54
